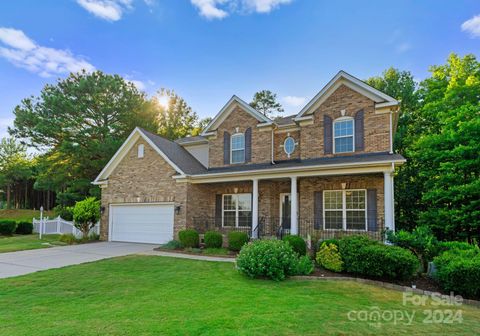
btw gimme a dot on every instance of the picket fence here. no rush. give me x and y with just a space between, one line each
60 226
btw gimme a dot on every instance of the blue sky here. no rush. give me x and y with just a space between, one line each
207 50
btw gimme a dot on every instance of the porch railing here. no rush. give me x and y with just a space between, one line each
279 227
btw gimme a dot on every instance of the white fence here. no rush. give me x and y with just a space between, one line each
60 226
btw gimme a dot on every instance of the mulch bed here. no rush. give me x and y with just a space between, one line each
230 254
421 282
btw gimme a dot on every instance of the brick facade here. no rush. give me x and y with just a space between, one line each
143 180
238 118
279 139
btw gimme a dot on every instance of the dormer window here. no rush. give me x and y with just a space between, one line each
140 151
237 148
343 139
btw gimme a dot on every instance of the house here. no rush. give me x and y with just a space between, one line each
331 165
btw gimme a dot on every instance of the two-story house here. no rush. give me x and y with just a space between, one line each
326 170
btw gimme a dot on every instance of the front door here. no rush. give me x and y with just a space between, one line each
285 211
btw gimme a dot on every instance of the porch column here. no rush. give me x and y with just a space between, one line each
293 206
255 209
388 200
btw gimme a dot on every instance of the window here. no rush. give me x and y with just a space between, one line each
140 151
289 145
238 148
343 135
344 210
237 210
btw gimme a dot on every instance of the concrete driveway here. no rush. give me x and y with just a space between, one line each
24 262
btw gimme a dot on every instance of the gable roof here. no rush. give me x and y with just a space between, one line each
175 155
352 82
226 110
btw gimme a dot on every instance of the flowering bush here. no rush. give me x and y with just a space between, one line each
273 259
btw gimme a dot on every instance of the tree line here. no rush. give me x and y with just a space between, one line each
78 123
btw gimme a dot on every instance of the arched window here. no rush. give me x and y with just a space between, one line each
140 151
343 135
289 145
237 148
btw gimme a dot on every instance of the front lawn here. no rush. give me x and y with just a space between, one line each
23 214
27 242
150 295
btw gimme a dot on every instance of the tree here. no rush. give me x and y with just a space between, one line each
408 188
449 148
15 165
86 214
265 102
175 117
80 122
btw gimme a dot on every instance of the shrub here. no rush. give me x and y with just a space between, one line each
189 238
7 227
172 245
68 238
329 258
420 241
349 248
459 271
64 212
328 241
454 245
236 240
24 227
304 266
384 261
213 239
93 236
297 243
273 259
86 214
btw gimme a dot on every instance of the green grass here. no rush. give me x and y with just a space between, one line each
23 215
150 295
27 242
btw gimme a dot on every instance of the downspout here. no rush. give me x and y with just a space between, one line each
272 159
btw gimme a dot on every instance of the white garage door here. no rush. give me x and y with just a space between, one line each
149 223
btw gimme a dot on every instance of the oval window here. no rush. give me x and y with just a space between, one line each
289 145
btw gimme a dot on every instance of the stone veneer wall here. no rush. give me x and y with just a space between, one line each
143 180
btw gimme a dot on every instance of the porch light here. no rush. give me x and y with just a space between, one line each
344 185
177 209
102 210
235 190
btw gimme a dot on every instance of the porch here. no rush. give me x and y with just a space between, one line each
325 206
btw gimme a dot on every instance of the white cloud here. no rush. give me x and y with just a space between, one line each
209 8
219 9
294 101
110 10
264 6
398 42
23 52
4 124
472 26
138 83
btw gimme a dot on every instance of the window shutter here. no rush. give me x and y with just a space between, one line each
226 148
218 210
327 135
318 210
248 144
359 131
372 209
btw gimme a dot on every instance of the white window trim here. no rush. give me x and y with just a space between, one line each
236 211
344 210
344 136
141 151
294 146
232 150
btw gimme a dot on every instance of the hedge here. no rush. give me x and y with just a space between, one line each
236 240
7 227
297 243
213 239
24 227
189 238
